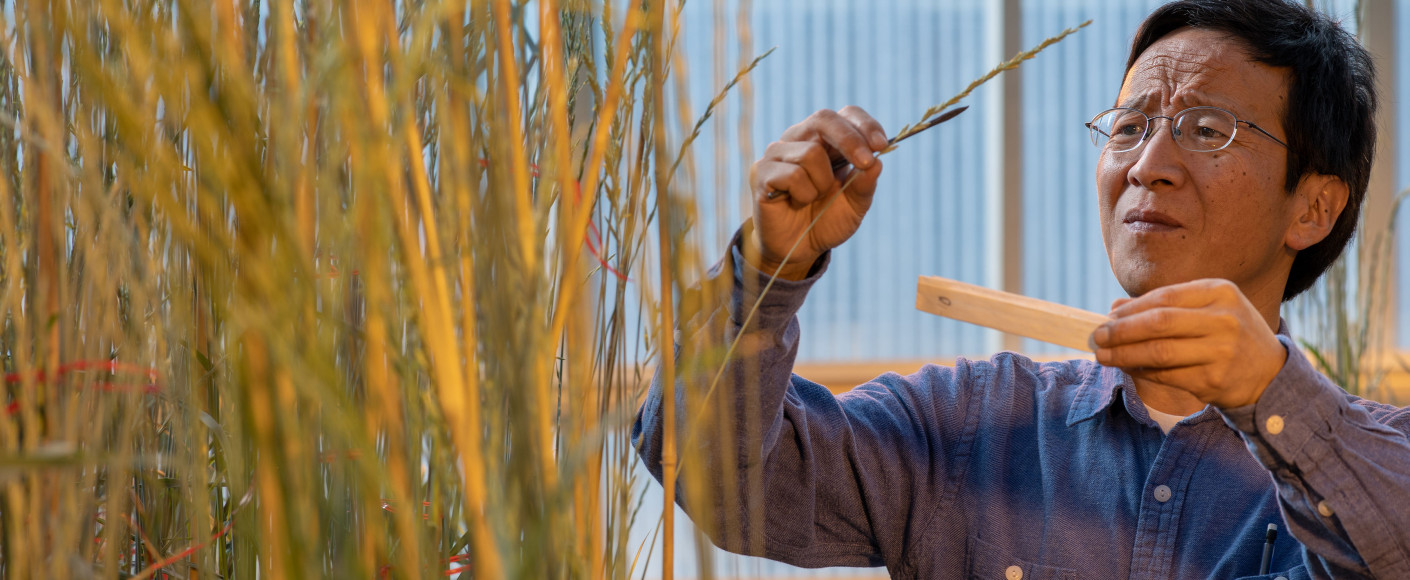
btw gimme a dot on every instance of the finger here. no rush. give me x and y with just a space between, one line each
864 186
1163 322
1191 375
1193 294
837 133
1161 354
811 156
786 178
876 136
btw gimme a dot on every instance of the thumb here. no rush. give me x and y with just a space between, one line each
864 184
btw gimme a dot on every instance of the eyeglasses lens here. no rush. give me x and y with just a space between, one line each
1202 129
1119 129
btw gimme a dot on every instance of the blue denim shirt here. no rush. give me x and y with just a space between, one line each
1010 468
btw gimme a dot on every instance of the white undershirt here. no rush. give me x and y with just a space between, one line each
1165 420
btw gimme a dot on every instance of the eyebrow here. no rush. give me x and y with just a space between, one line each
1129 104
1134 102
1198 98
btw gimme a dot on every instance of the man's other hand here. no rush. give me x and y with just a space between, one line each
1203 337
798 171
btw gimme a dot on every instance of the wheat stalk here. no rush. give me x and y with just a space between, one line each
1005 66
710 109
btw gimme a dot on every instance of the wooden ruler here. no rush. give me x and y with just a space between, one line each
1013 313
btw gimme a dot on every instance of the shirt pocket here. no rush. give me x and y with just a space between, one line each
986 561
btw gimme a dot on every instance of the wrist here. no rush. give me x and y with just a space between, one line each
797 267
794 271
1262 379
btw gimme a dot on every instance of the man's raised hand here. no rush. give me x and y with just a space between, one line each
1203 337
798 170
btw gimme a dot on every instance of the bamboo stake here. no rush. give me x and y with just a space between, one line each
754 482
41 94
10 299
44 107
666 329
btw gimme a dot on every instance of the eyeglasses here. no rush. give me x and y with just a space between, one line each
1195 129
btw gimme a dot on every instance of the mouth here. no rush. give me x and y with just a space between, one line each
1139 220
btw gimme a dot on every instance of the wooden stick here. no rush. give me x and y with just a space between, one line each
1013 313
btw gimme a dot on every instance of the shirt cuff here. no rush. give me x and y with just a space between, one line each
781 300
1300 404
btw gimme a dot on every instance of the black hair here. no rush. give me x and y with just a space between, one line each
1329 120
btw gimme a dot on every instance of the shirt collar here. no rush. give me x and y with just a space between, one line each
1097 391
1101 383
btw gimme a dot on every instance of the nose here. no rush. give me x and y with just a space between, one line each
1158 162
1153 128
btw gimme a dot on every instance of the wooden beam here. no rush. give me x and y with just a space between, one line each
1376 26
1003 158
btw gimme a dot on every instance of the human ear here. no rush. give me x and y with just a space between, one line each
1318 202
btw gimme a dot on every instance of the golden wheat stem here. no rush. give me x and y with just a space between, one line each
510 117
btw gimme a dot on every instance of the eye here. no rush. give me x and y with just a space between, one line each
1128 129
1209 133
1126 125
1205 128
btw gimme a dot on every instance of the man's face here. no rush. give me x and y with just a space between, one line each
1170 215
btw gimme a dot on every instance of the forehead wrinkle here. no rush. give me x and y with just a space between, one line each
1173 75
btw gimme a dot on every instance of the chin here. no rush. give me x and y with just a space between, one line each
1134 289
1139 280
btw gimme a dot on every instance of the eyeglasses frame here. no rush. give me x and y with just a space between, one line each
1150 132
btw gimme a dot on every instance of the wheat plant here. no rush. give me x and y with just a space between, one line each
1345 315
332 288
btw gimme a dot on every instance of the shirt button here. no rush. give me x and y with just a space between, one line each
1324 509
1275 424
1013 573
1162 493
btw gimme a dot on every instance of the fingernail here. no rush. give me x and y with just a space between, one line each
1101 334
878 140
864 157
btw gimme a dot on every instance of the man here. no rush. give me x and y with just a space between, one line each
1231 173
